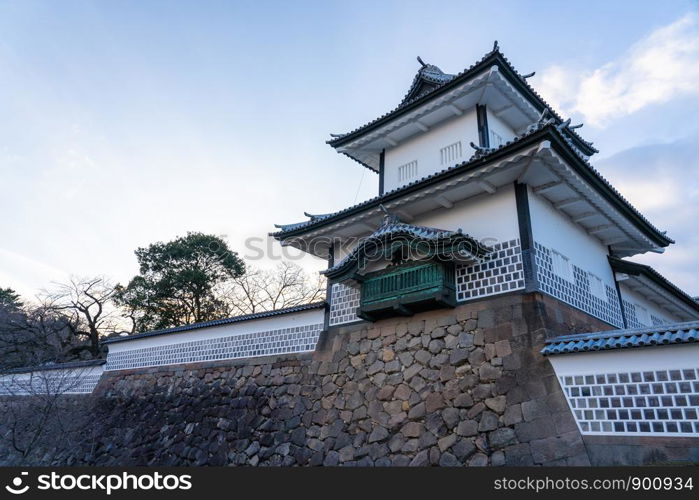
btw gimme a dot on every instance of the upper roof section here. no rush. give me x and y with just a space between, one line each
435 97
428 78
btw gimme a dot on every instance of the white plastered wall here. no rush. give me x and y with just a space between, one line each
636 299
490 218
79 380
500 128
425 148
641 391
555 231
303 318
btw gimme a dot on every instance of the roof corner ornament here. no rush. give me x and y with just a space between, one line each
529 75
480 150
315 217
389 218
573 127
422 63
544 117
496 46
562 125
335 136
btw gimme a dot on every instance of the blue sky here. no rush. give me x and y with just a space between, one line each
126 123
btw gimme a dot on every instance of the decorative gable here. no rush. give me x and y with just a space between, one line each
427 79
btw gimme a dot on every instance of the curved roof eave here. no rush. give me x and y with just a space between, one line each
583 167
493 57
634 269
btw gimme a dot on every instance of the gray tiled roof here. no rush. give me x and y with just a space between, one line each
56 366
480 157
394 228
678 333
219 322
429 74
635 269
494 56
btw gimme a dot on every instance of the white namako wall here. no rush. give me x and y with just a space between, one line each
635 391
554 230
641 312
571 264
282 334
490 219
56 381
425 149
499 131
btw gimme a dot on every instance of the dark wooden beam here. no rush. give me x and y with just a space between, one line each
483 133
526 238
382 160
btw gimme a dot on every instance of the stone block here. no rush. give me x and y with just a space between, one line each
518 455
463 400
378 434
450 417
459 357
502 437
488 421
467 428
438 333
434 402
534 409
448 460
421 459
497 404
446 442
503 348
488 372
513 414
413 429
478 460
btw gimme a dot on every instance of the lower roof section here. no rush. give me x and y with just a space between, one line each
71 365
649 283
220 322
677 333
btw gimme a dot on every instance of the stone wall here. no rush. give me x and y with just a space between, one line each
452 387
641 450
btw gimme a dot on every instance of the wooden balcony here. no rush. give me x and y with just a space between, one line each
406 289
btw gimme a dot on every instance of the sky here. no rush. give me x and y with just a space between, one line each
126 123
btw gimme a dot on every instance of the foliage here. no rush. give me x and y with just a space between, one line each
10 299
179 282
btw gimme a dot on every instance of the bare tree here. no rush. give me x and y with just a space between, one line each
286 285
34 335
38 420
87 302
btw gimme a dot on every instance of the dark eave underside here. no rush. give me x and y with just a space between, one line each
494 57
635 269
547 132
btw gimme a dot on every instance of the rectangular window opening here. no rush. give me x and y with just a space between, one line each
450 154
407 172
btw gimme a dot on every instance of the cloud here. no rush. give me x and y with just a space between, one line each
660 67
662 180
